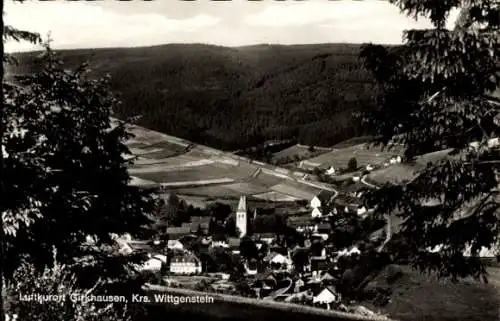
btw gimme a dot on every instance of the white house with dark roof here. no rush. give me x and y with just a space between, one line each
331 171
281 260
327 296
185 263
321 199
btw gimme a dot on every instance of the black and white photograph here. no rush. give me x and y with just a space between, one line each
250 160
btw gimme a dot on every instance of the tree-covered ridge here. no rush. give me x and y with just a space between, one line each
232 98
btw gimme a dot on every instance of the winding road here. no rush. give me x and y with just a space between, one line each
279 292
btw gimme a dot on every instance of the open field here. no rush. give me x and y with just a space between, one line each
402 172
220 191
419 297
339 158
247 188
353 141
299 152
276 197
266 180
206 173
297 192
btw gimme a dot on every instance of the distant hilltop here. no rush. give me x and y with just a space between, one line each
235 97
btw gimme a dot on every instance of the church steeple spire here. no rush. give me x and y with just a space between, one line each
241 216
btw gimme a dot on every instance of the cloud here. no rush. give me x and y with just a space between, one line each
79 24
360 15
231 23
340 21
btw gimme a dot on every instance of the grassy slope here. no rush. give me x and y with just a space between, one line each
401 172
418 297
237 97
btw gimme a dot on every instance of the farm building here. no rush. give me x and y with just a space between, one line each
185 263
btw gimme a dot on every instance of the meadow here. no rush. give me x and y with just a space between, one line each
339 157
298 152
418 296
206 173
397 173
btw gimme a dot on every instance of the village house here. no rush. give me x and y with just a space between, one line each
250 268
298 285
267 238
278 260
330 171
200 224
153 265
185 263
327 279
354 250
361 210
395 160
124 248
234 244
322 199
300 222
316 213
174 245
327 296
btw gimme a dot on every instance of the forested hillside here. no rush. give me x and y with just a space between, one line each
232 98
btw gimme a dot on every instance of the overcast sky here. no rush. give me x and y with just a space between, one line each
111 23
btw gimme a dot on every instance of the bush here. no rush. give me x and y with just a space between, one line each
393 274
57 282
352 165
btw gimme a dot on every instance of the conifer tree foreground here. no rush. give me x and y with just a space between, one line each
438 96
65 172
64 177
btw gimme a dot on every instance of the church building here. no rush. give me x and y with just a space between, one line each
241 216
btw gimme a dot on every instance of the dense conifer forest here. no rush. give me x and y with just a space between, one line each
233 98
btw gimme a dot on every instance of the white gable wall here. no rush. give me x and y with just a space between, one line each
315 202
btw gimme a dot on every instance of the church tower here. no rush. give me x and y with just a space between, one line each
241 216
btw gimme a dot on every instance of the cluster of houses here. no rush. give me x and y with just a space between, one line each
332 171
312 282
